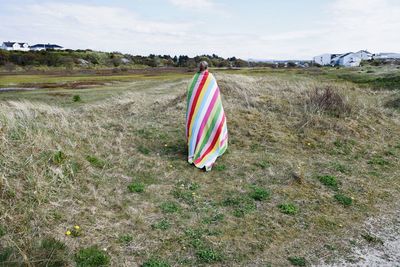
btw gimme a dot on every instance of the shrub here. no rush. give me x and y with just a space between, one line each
329 181
76 98
136 187
297 261
208 255
161 225
259 193
169 207
343 199
288 208
328 101
92 256
153 262
95 162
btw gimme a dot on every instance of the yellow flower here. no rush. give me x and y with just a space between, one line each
68 232
77 227
193 193
309 144
165 145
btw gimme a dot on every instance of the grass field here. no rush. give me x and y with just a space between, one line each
97 175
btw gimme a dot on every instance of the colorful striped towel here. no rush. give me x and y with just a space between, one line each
206 130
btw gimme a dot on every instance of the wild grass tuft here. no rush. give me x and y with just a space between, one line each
259 193
91 257
297 261
329 181
136 187
343 199
288 208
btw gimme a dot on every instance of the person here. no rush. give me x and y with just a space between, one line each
206 127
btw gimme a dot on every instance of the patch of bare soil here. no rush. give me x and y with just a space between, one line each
380 244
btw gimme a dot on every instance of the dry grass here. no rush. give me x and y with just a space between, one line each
65 166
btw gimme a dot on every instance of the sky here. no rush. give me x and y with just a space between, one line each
257 29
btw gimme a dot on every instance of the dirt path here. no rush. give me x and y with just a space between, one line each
384 250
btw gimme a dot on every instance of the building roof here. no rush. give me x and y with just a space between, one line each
48 46
9 44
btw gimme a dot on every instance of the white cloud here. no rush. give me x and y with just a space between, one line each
193 4
350 25
363 24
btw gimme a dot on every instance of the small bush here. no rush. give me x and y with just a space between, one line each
169 207
153 262
95 162
92 256
76 98
208 255
329 181
343 199
258 193
263 164
288 208
161 225
328 101
136 187
297 261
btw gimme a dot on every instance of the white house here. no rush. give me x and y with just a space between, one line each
39 47
15 46
387 56
324 59
347 60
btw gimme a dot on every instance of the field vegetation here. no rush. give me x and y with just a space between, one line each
96 174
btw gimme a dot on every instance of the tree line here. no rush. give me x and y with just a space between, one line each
87 58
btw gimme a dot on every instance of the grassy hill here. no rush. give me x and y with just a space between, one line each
98 175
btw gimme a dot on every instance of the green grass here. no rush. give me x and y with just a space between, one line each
329 181
259 193
288 208
91 257
136 187
169 207
343 199
95 161
65 162
297 261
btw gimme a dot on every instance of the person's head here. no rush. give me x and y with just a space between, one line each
203 66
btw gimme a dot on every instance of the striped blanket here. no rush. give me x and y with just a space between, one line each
206 130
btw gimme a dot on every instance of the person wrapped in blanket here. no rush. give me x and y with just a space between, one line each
206 128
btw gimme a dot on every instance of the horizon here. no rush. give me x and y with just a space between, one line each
264 30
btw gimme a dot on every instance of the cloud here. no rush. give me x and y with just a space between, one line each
363 24
193 4
349 25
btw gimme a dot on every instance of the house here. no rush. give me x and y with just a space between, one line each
387 56
39 47
15 46
347 60
324 59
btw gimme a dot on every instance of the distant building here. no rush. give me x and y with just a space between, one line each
347 60
39 47
325 59
387 56
15 46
